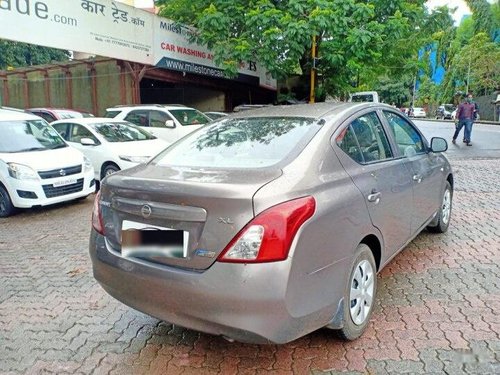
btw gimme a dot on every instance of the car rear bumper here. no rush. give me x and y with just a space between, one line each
245 302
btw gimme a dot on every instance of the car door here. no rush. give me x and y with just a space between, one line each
424 166
383 180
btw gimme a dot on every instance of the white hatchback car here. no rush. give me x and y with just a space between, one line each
111 145
168 122
37 168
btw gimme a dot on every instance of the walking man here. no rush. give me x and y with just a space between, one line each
465 116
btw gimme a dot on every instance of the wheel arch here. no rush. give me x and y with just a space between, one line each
375 246
106 164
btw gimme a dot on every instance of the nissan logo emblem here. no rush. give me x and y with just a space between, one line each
62 172
146 211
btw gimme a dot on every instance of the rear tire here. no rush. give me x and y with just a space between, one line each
444 214
359 294
6 206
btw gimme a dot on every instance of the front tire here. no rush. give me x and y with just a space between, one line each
6 206
444 214
359 294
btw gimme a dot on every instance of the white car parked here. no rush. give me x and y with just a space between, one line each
37 168
168 122
110 145
418 112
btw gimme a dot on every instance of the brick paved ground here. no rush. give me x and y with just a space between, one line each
438 305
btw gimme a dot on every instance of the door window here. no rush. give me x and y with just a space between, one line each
407 138
139 118
62 129
157 119
78 132
364 140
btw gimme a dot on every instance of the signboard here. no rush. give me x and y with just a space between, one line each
113 29
100 27
174 51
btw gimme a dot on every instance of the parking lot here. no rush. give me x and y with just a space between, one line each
438 306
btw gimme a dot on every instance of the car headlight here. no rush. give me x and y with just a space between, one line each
135 159
22 172
87 164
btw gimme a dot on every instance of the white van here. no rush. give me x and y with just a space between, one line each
37 168
364 96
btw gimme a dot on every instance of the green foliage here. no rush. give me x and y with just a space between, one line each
351 34
15 54
362 45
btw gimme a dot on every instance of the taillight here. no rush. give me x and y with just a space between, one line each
97 215
268 237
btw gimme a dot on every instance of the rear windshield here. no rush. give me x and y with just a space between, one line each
187 116
28 135
240 143
111 114
121 132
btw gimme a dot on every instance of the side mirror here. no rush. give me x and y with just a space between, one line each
439 144
87 142
170 124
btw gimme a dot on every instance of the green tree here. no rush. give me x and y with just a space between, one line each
482 16
476 66
350 34
16 54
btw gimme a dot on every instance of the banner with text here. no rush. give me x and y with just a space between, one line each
101 27
173 50
113 29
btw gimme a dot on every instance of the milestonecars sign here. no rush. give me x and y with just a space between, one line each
172 50
113 29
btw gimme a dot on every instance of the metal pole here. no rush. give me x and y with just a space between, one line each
313 70
468 77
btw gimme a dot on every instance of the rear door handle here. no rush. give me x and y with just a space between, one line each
374 197
417 178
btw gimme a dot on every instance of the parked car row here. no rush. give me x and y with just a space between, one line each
128 136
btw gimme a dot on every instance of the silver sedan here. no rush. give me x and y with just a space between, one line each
267 225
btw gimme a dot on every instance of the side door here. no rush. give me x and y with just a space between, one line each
139 117
425 167
383 180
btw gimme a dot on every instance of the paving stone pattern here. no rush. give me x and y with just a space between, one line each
437 312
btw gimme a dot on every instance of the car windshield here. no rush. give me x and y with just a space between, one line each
240 143
121 132
28 135
187 116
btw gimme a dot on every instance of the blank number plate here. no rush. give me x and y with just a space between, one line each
141 240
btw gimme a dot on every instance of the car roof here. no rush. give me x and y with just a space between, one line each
313 111
7 114
147 106
90 120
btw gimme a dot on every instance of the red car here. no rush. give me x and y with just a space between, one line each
53 114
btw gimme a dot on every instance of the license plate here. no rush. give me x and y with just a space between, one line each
67 181
141 240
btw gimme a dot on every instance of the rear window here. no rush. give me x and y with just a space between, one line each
240 143
111 114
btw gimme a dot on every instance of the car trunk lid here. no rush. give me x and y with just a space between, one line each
209 206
